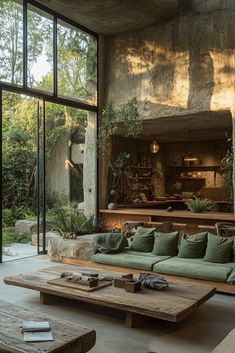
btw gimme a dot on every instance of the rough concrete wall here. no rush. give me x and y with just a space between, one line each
185 65
57 171
181 66
90 166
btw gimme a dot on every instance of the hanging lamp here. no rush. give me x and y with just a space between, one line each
154 147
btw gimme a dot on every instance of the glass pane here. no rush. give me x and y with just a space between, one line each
19 184
76 63
40 49
70 166
11 42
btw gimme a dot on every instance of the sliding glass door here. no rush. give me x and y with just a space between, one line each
19 180
48 87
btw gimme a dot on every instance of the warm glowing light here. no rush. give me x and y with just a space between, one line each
154 147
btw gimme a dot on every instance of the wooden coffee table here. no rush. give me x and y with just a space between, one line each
68 337
172 304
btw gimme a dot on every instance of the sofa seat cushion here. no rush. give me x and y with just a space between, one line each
129 258
195 268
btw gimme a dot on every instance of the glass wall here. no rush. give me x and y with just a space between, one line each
11 42
19 182
76 63
49 149
70 165
40 49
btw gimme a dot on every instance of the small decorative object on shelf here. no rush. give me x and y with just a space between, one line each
112 206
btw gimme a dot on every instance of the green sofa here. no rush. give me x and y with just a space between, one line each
193 268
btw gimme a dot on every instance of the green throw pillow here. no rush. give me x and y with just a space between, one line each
165 244
193 246
143 239
219 249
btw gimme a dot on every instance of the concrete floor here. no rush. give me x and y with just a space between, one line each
199 333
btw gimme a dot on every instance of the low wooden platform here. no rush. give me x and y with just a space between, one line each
116 218
68 337
222 287
173 304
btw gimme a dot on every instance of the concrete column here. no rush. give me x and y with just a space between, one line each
90 166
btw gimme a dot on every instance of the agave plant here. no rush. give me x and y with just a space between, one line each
200 205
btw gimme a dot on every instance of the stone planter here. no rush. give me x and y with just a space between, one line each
80 248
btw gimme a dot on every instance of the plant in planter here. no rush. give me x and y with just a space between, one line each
200 205
71 223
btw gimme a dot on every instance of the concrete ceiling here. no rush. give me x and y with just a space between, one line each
197 127
109 17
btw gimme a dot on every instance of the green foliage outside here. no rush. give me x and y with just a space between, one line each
77 78
200 205
11 215
9 238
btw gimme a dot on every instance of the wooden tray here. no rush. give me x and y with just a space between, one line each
62 282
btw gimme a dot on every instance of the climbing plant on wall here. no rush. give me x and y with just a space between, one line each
127 117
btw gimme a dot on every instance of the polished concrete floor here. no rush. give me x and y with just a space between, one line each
199 333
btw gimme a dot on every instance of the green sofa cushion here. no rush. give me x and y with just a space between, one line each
195 268
231 278
193 246
143 239
129 258
165 244
219 249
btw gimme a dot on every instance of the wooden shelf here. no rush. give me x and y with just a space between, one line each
181 178
139 178
137 167
195 167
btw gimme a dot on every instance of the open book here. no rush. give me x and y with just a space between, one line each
37 331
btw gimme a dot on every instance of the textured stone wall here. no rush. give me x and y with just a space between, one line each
181 66
184 65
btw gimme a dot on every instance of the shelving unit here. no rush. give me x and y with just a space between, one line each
139 178
189 182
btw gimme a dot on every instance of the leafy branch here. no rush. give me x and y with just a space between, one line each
127 116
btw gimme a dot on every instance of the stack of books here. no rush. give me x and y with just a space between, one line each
37 331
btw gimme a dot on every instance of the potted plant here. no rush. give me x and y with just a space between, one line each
200 205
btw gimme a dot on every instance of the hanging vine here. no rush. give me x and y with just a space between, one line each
127 117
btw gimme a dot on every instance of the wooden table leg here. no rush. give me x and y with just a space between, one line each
47 299
134 320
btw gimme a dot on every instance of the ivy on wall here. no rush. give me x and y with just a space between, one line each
127 117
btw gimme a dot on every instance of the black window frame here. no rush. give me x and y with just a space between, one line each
47 97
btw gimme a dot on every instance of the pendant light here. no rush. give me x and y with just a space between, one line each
154 147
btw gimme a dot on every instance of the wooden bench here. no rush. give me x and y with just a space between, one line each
68 337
